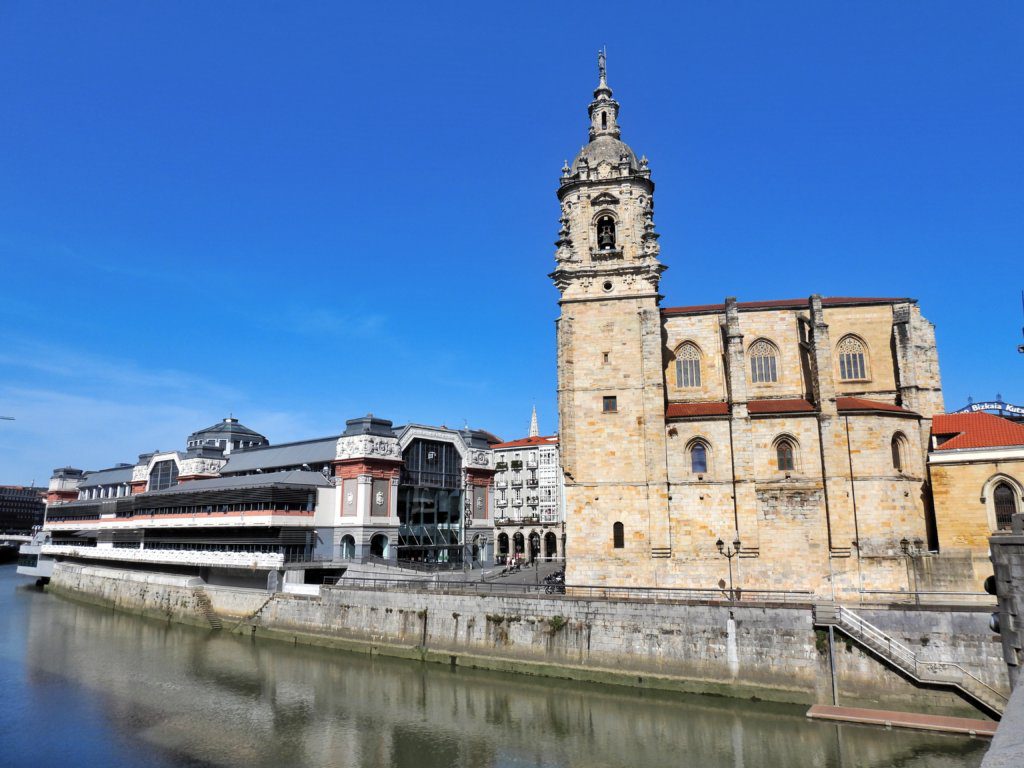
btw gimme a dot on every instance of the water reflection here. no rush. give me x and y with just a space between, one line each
178 696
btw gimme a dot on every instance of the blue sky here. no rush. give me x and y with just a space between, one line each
302 212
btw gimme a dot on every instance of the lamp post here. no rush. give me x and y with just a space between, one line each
911 551
729 553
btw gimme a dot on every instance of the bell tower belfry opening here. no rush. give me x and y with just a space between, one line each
610 351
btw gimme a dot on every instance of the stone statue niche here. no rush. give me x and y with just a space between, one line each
606 233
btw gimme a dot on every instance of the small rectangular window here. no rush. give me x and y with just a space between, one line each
605 358
610 404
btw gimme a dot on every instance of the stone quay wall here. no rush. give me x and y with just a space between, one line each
766 651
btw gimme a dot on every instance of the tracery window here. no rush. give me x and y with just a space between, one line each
763 362
852 359
1006 505
688 366
785 455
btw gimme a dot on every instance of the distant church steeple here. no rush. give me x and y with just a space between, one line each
534 430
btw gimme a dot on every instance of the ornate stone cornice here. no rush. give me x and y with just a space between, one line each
368 447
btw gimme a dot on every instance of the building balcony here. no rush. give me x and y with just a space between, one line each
549 517
533 501
501 502
501 466
532 482
531 463
517 481
517 502
517 464
501 484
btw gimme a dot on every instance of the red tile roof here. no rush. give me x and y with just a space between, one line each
828 301
848 404
781 406
976 430
528 441
676 410
792 405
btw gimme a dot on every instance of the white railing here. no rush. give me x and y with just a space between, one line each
182 556
922 669
894 648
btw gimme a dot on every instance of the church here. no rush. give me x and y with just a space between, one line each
791 435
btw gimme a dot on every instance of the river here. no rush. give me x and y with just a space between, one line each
85 686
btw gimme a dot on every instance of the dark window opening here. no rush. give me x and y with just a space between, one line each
618 536
897 454
1006 506
610 404
784 455
604 121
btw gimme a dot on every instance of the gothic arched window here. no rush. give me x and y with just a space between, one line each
1006 505
688 366
698 458
606 233
763 362
785 455
618 536
852 359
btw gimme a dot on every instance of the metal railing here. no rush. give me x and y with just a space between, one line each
589 592
923 669
930 598
894 648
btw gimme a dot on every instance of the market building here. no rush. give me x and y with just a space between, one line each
233 509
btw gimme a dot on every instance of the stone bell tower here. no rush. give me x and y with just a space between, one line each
611 393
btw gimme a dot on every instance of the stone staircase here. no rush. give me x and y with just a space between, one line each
948 674
203 601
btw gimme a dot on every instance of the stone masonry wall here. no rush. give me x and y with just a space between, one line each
757 650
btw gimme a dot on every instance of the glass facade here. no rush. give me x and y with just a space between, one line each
430 504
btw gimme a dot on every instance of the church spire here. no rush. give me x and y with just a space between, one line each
534 430
603 110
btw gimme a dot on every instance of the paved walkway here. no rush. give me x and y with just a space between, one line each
903 720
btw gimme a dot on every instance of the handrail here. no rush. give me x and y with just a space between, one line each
650 594
897 650
894 647
969 674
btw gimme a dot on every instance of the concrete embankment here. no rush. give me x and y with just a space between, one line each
767 651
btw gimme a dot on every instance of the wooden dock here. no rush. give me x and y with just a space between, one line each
915 720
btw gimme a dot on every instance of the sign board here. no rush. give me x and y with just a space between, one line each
994 405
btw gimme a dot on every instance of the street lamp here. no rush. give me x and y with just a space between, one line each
911 551
729 553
